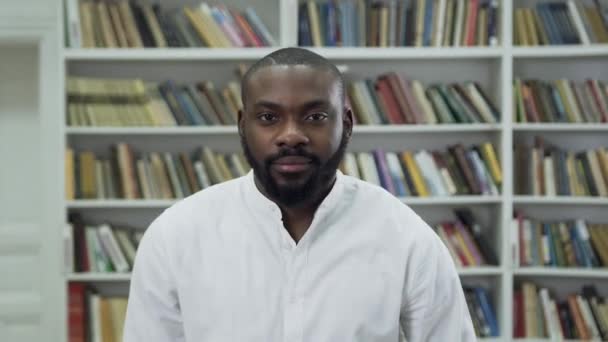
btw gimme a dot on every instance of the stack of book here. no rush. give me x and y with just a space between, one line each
482 311
560 101
130 24
399 23
465 241
154 175
99 248
581 316
561 22
93 317
572 243
457 171
544 170
393 98
134 102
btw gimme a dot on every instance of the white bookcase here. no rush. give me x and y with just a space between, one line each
493 67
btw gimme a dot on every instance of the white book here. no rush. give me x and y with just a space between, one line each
424 102
94 251
528 242
350 165
549 176
73 24
112 248
201 174
546 307
392 23
126 245
596 171
395 169
578 22
368 102
588 318
480 103
438 37
554 313
459 23
240 169
367 167
515 242
430 173
154 186
68 248
95 317
546 251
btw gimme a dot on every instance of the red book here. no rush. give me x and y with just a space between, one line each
246 29
597 97
518 315
523 261
76 313
385 94
449 230
472 22
399 94
411 99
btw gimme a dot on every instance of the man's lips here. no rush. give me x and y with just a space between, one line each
292 164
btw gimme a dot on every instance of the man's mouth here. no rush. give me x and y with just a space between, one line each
292 164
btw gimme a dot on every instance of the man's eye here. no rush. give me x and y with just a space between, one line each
267 117
316 117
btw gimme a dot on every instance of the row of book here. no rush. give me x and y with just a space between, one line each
163 175
153 175
582 316
465 241
94 317
134 102
99 248
545 170
569 243
398 23
561 22
482 311
457 171
560 101
392 98
131 24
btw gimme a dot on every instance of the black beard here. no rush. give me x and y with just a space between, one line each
293 196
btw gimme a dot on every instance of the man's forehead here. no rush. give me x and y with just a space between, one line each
277 75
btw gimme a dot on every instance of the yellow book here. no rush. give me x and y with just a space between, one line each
383 27
602 158
315 28
88 187
199 25
70 181
128 20
419 29
599 242
487 150
223 166
118 311
530 27
105 314
521 35
543 38
562 88
211 25
106 26
358 108
465 249
414 171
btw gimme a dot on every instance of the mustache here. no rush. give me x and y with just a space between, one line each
292 152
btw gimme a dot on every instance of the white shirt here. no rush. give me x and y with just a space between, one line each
219 266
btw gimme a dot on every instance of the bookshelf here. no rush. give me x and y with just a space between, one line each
494 67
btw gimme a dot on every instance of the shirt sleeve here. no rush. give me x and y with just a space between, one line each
153 313
434 307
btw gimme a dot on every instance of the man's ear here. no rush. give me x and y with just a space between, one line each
348 122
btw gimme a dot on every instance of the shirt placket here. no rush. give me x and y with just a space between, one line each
294 262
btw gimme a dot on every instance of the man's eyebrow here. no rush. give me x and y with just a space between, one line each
267 104
315 103
305 106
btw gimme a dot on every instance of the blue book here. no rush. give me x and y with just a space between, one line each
578 254
353 36
343 23
304 35
488 310
191 109
405 4
557 100
428 23
383 172
542 11
330 29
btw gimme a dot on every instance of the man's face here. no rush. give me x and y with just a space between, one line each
294 130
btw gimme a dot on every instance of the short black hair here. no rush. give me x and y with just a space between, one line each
293 56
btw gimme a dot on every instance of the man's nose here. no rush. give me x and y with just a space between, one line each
292 135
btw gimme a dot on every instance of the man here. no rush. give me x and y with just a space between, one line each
294 251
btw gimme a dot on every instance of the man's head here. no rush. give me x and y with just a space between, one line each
294 126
